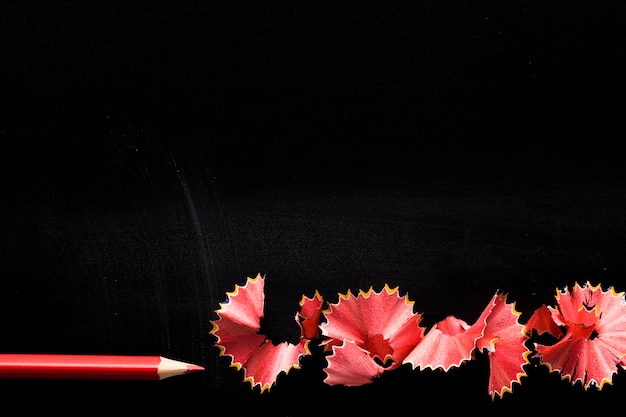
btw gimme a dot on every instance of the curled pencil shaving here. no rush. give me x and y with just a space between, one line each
368 334
237 333
449 343
309 316
590 328
505 342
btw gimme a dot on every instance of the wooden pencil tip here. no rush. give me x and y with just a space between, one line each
169 367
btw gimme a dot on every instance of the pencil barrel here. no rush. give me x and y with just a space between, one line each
79 366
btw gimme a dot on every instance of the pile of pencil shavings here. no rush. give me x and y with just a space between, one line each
369 333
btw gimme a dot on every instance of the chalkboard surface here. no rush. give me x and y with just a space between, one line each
154 156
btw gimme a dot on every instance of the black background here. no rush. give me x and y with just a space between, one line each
155 154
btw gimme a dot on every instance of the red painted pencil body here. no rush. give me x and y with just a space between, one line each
92 366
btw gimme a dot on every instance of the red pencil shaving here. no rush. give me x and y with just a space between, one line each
92 366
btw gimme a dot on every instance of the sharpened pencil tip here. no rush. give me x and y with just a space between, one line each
169 367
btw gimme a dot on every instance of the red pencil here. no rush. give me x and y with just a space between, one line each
92 366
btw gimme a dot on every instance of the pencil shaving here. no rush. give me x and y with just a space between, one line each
237 333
